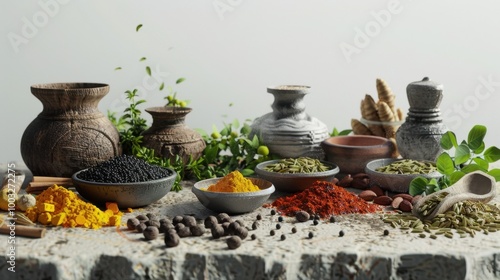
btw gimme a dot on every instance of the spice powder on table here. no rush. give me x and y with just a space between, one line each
324 199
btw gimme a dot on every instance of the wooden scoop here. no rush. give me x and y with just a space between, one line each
475 186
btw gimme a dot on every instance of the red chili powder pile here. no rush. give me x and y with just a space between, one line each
324 199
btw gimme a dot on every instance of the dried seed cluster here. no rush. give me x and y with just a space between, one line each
466 218
408 166
298 165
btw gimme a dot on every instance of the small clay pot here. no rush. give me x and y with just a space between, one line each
169 136
351 153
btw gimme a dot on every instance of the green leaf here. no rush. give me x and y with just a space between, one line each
492 154
245 130
481 162
224 131
455 176
462 154
448 140
495 173
418 185
236 123
210 153
476 136
345 132
255 142
473 167
180 80
138 27
118 68
234 147
444 164
148 70
246 172
162 86
480 149
335 132
142 58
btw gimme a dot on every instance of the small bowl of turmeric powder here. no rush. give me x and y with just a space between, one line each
233 193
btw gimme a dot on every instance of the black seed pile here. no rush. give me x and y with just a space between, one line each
124 169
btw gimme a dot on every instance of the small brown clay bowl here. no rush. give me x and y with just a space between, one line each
352 152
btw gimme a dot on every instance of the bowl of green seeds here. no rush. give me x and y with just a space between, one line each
296 174
396 174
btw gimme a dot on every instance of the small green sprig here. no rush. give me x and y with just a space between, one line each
470 155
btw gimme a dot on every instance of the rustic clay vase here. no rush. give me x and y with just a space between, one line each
169 136
420 135
288 130
70 133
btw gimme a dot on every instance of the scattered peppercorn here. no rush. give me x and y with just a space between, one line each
341 233
315 222
142 217
255 225
184 232
273 212
140 227
179 226
152 223
253 236
280 219
302 216
189 221
151 233
241 232
132 223
316 217
240 222
177 219
278 226
272 232
223 217
283 237
217 231
231 230
151 216
259 217
210 221
233 242
164 227
225 226
172 239
332 219
386 232
311 235
197 230
294 230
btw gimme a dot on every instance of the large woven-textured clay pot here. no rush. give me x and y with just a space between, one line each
169 136
70 133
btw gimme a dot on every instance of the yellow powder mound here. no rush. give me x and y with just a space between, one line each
59 206
234 182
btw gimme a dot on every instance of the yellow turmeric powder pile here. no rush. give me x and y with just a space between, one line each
234 182
59 206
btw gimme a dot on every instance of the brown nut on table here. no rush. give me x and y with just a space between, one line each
367 195
405 196
383 200
405 206
377 190
360 183
396 202
345 182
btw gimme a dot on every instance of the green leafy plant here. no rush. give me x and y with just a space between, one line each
469 155
227 150
335 132
130 125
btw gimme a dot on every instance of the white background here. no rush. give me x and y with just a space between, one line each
229 51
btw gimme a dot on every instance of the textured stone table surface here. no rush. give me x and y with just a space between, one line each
362 253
